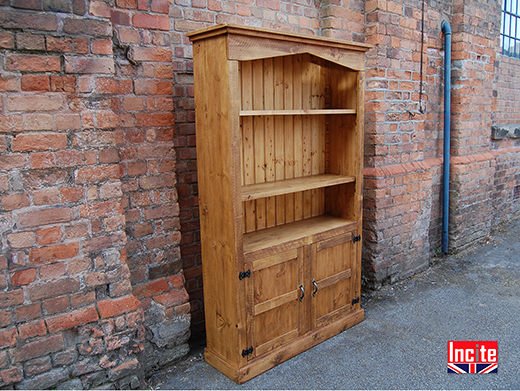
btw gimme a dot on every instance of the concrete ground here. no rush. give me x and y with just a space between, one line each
402 343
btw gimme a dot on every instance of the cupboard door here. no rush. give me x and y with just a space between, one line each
331 279
274 294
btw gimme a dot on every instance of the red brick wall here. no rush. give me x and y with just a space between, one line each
507 91
89 213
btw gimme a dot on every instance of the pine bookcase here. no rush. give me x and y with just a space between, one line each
279 125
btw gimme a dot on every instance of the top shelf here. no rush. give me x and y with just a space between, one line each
250 113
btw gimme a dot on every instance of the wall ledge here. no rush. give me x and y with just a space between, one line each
500 132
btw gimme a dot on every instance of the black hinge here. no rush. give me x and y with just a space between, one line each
245 274
247 352
356 238
355 301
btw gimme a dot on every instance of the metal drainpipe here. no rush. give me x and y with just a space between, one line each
446 30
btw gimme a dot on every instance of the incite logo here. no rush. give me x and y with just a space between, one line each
472 356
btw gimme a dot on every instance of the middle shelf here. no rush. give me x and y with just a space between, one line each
250 113
293 185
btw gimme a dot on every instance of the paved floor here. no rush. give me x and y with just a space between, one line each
402 342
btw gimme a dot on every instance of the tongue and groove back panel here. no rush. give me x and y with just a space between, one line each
277 147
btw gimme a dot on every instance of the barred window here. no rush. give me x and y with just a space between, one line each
510 34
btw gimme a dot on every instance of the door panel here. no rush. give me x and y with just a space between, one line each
276 310
331 272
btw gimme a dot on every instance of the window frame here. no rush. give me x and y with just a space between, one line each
510 28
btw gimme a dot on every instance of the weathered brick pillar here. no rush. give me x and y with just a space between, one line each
144 61
401 138
476 28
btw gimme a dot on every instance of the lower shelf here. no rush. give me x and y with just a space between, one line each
269 360
284 237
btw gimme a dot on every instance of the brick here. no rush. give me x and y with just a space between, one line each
109 156
153 22
39 348
150 54
107 120
66 357
42 160
47 380
15 201
161 212
62 84
32 63
49 235
122 19
83 299
72 194
57 5
129 36
39 142
102 47
150 289
79 265
123 370
6 318
6 40
11 298
157 181
100 8
52 271
69 158
44 217
155 119
177 281
55 305
30 41
8 337
59 44
129 4
97 174
32 329
9 83
81 45
173 298
24 20
111 308
72 319
105 241
36 179
21 240
23 277
11 123
38 122
160 6
90 27
100 209
53 253
10 376
46 197
89 65
53 289
13 161
30 103
27 313
152 87
35 83
37 366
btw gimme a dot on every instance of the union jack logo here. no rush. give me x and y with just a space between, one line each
472 357
472 368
